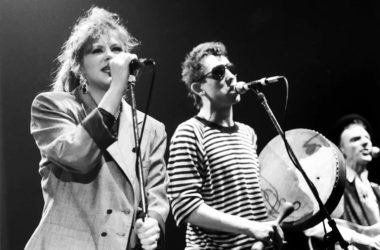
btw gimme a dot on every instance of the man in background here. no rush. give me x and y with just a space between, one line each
359 211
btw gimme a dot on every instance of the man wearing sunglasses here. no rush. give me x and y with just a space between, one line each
213 166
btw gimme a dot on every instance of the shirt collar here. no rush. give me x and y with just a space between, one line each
350 174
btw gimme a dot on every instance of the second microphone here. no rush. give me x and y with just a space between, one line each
243 87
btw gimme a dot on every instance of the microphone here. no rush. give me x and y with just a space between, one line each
242 87
136 64
375 152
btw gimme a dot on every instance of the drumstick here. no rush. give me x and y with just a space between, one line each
285 211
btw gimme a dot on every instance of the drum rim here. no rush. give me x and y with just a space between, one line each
334 198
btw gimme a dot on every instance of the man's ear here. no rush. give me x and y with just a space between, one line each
196 88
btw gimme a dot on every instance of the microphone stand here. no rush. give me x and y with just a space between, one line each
138 164
334 235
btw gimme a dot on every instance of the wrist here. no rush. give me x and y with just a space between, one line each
117 90
246 226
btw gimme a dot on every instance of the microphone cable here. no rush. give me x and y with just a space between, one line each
150 91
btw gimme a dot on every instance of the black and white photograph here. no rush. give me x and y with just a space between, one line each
189 125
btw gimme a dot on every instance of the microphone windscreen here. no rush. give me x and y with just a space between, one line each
375 152
239 87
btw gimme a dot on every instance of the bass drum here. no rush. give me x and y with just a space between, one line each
281 182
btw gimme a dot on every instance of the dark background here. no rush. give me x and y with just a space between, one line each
328 50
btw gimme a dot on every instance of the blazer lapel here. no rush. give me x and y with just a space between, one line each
123 149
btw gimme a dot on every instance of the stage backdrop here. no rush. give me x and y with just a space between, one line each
328 50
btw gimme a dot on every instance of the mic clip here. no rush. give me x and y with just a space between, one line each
136 64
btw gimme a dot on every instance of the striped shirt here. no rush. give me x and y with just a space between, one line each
217 166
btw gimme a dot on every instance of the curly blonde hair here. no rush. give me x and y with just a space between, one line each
88 28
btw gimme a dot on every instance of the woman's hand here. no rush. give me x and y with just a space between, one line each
119 67
148 233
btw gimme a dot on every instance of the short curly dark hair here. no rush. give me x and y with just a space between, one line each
192 69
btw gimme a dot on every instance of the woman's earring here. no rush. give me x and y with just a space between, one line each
83 83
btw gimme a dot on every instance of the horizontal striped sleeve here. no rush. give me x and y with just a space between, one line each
184 173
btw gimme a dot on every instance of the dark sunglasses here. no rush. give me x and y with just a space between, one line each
218 72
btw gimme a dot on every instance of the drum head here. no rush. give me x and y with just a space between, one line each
322 162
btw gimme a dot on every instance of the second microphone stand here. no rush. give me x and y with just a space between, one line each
334 235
